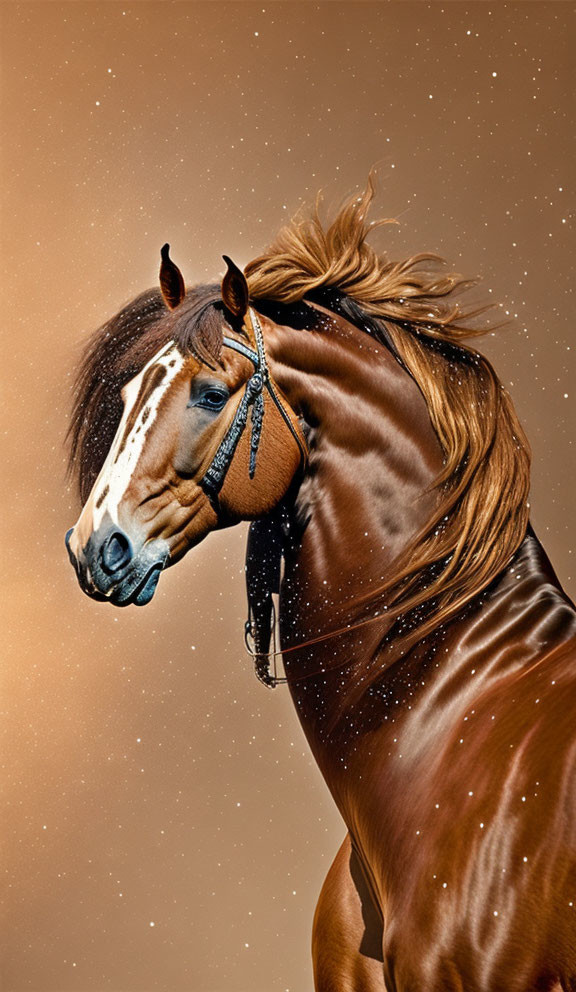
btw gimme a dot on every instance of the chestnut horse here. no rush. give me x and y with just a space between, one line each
325 394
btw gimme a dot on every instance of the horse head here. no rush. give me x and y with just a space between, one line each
205 439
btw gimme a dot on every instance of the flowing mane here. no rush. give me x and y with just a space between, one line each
482 511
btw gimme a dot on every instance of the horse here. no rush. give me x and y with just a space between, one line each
326 395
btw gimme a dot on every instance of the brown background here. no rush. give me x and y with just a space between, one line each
148 777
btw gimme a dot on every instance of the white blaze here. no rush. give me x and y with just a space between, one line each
115 475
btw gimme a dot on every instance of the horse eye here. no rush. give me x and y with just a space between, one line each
212 399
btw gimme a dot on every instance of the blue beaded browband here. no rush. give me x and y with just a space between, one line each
253 398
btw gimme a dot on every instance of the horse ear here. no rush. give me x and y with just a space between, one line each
235 289
171 281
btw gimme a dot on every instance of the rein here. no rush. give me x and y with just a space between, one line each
262 659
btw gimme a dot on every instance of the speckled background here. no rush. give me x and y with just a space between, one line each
166 827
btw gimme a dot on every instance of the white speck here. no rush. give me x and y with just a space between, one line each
494 74
97 103
495 912
152 924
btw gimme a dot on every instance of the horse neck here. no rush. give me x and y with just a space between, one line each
367 492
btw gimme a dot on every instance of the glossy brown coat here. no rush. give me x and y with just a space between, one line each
450 754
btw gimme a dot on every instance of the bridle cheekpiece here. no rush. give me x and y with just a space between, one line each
252 400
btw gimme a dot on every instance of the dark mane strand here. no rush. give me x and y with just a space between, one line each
339 303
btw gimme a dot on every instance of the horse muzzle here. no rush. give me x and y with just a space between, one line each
111 567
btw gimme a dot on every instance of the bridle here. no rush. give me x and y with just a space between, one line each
213 479
259 383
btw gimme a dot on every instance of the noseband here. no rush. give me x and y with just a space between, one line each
253 398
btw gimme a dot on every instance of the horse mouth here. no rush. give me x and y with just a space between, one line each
128 594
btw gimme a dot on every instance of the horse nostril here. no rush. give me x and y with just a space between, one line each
116 552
